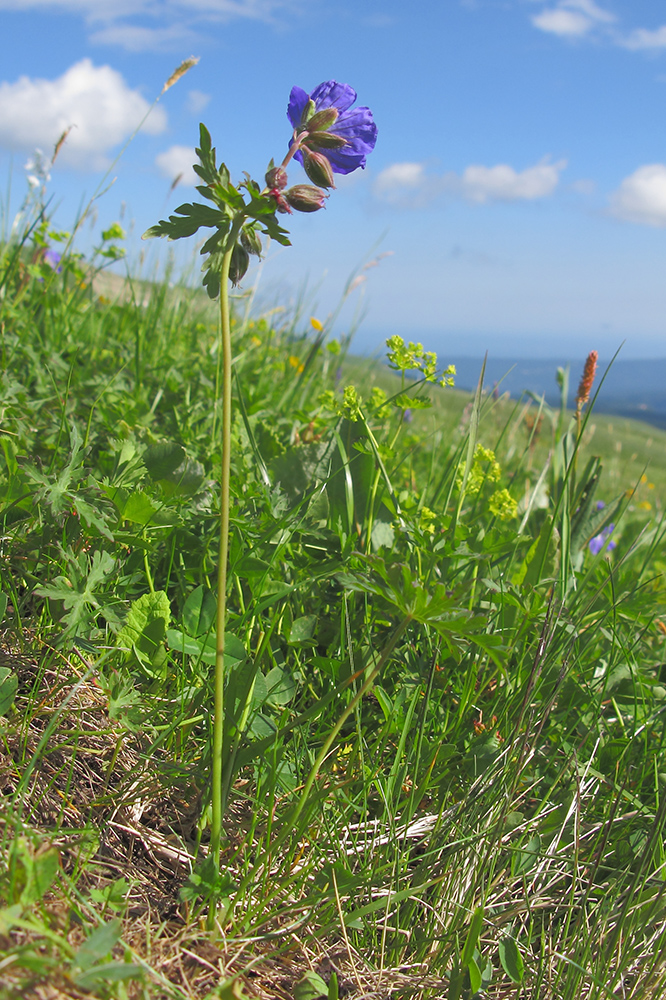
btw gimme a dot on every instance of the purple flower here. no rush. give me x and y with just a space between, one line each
53 258
356 126
597 543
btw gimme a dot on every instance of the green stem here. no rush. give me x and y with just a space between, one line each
218 723
149 575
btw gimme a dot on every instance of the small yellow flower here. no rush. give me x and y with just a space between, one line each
351 403
316 325
378 400
485 469
502 505
296 363
256 341
645 505
426 518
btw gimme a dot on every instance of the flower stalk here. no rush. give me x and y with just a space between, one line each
223 559
335 139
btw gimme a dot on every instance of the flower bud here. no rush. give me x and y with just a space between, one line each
318 168
308 112
282 205
240 261
305 198
251 241
276 178
324 140
323 119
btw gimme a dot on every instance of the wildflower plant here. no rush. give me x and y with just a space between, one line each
412 357
329 136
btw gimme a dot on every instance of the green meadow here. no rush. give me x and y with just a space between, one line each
445 703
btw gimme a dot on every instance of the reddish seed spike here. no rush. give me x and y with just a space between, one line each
587 380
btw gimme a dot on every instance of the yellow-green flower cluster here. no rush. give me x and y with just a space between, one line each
351 403
426 518
349 407
412 357
485 469
378 401
501 504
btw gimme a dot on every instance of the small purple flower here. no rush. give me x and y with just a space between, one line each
53 258
356 126
597 543
600 505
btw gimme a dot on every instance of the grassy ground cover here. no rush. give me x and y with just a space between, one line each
445 711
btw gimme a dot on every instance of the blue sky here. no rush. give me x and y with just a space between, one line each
518 186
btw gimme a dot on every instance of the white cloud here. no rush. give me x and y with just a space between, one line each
642 38
99 9
585 18
95 100
409 185
197 101
89 8
403 181
590 9
572 18
641 197
175 163
135 38
563 22
171 21
503 183
585 186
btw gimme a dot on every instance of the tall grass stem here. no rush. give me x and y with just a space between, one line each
218 722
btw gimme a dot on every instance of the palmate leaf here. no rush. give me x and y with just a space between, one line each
194 216
271 227
217 243
211 282
58 494
204 190
227 194
78 590
206 168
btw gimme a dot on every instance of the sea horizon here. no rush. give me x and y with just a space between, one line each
632 387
